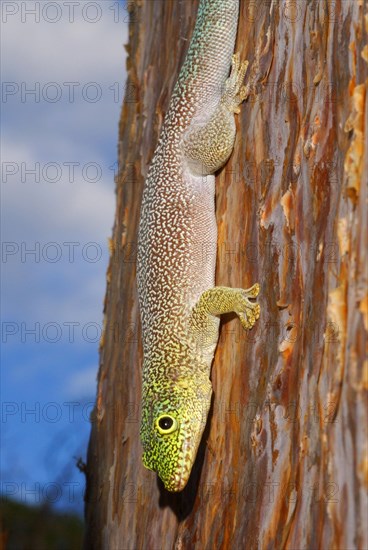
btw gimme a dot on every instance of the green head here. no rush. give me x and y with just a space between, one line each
174 416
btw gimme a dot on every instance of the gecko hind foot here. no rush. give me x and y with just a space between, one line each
235 92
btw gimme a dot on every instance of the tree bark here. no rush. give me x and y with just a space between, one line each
283 463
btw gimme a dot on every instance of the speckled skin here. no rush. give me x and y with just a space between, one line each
179 303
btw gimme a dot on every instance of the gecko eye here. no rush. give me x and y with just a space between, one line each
166 424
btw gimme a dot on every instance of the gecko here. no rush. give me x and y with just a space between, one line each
178 300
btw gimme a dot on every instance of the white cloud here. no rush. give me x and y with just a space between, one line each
37 214
80 211
35 54
67 50
42 132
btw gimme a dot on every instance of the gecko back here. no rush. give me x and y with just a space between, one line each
178 300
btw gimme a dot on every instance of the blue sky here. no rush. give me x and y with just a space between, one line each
63 75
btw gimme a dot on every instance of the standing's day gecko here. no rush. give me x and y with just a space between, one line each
179 303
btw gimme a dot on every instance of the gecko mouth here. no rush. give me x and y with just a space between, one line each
179 478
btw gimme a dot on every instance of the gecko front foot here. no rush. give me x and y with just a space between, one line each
247 311
221 299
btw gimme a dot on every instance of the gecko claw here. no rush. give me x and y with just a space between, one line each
247 311
235 91
253 291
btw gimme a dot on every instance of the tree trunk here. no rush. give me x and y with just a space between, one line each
283 463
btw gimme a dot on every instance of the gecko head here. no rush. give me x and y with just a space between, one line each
173 420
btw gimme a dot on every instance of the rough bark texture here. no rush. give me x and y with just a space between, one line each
283 463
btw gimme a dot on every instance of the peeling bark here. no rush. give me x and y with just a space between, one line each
283 463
